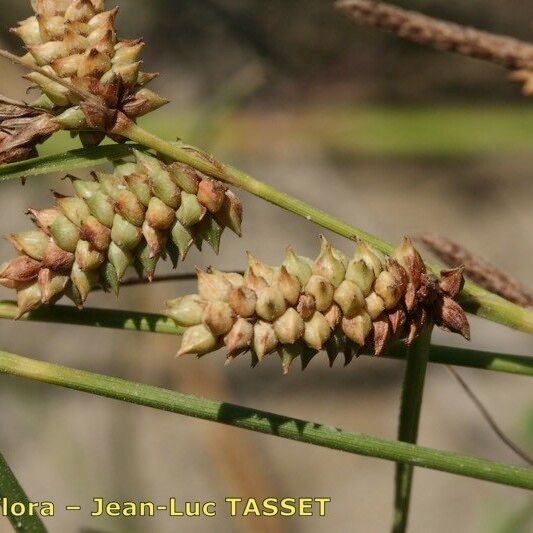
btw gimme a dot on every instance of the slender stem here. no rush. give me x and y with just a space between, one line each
474 299
152 323
489 418
100 318
264 422
11 489
411 406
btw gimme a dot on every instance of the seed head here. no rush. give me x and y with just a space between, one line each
127 218
76 40
271 309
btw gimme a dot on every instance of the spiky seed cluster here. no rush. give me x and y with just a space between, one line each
21 129
332 303
76 40
140 213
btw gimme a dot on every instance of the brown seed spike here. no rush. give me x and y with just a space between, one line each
300 313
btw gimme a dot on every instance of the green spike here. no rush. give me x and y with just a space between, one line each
335 345
209 230
148 264
109 278
288 353
182 238
173 253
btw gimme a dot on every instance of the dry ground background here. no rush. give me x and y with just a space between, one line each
389 137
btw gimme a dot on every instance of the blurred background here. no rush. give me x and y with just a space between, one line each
388 136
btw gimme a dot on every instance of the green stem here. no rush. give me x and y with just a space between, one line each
474 299
264 422
411 406
151 323
11 489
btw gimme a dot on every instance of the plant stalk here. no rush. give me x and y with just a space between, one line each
411 406
473 298
152 323
264 422
440 34
11 489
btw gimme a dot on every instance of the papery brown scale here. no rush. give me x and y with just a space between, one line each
333 316
410 297
57 259
211 194
97 117
410 259
452 281
416 323
397 319
306 306
22 128
240 337
256 283
449 315
96 233
399 274
155 239
159 215
112 92
130 208
381 334
428 289
21 269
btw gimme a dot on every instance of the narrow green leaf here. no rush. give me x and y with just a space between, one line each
264 422
66 162
11 489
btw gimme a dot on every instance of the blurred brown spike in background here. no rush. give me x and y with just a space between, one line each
477 269
442 35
